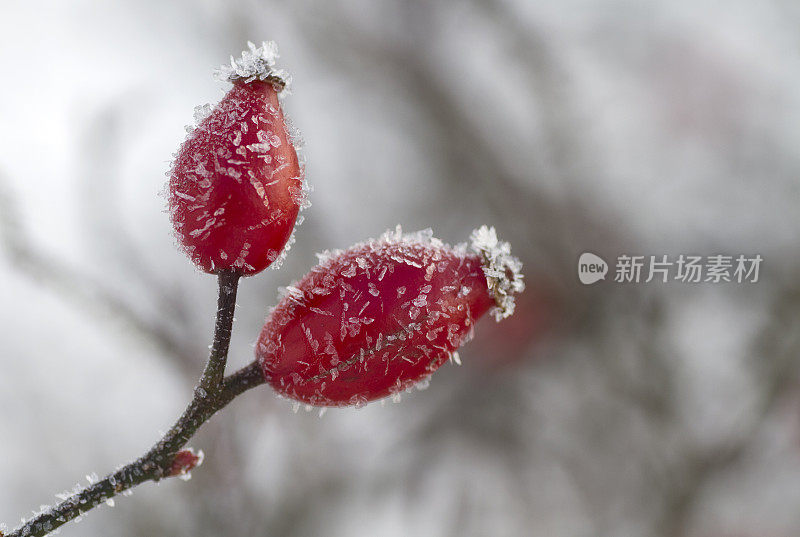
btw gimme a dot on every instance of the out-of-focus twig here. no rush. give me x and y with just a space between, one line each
775 360
30 261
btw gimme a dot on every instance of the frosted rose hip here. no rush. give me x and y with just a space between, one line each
236 185
377 318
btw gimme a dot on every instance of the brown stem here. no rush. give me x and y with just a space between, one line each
226 306
213 392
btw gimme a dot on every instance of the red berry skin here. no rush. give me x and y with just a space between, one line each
236 185
372 321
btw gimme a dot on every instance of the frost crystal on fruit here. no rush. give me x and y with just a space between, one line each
257 63
375 319
503 271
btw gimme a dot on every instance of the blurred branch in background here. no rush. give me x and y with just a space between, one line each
29 260
478 152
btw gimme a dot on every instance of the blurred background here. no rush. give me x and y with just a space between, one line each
616 126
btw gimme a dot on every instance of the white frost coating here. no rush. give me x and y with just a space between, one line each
290 291
424 236
391 236
286 247
257 63
503 271
201 112
301 196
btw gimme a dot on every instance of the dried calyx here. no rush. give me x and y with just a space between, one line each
503 271
257 63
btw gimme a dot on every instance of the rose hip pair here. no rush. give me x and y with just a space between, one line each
367 322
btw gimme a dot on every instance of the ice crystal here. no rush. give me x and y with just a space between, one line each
201 112
503 271
391 236
257 63
281 257
301 196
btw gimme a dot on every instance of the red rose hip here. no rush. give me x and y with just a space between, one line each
236 185
375 319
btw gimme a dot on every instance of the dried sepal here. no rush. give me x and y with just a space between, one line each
503 271
256 63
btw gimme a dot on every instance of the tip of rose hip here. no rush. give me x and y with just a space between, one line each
503 271
256 63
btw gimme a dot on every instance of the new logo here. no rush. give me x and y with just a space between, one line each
591 268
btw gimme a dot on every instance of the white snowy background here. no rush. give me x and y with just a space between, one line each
615 126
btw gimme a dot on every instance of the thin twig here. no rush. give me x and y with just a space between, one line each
226 306
212 394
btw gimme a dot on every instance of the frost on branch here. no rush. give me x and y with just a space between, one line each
257 63
503 271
